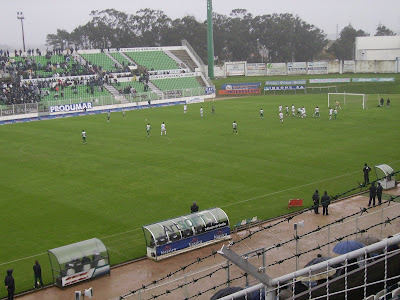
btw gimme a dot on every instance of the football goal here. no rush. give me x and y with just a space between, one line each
347 99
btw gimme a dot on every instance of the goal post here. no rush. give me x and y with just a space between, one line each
347 98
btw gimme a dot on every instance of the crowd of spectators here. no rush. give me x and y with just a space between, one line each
36 91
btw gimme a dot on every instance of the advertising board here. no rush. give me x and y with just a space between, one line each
276 69
296 68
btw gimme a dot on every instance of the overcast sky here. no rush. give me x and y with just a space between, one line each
46 16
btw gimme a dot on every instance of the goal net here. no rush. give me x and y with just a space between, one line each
348 99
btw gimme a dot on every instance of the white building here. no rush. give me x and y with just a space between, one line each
377 48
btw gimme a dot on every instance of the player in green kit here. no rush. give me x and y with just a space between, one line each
148 128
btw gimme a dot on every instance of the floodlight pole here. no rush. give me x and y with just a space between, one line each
210 40
20 16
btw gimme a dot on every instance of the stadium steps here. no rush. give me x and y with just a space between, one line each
128 58
200 81
185 58
113 59
156 90
177 59
113 91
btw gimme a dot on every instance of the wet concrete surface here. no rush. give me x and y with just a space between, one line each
132 276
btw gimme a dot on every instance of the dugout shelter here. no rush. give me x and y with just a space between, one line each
184 233
80 261
389 180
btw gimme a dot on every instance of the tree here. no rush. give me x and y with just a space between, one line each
343 48
382 30
60 40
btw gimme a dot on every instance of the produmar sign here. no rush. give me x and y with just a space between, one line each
239 92
70 107
241 86
281 88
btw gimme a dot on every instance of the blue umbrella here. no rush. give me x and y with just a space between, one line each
347 246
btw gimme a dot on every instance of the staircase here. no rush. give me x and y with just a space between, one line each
113 59
156 90
181 63
185 58
113 91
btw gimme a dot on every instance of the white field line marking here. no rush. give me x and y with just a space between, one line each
246 200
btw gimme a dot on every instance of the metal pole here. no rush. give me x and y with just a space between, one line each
264 260
210 40
228 278
381 221
297 251
329 239
23 35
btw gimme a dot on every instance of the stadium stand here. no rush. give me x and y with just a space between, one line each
102 62
120 58
153 60
185 58
168 84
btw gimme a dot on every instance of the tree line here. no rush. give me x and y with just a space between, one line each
237 37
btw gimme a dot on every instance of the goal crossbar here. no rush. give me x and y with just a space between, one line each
344 97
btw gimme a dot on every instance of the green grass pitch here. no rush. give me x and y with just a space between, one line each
56 191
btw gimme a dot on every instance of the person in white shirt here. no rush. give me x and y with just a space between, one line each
303 112
234 127
261 113
330 113
201 111
184 108
293 110
148 128
84 136
287 111
316 112
163 128
281 117
280 108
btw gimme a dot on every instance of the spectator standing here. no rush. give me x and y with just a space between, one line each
37 272
315 198
379 190
325 201
372 194
10 284
366 170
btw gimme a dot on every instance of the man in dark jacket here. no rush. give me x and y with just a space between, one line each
10 284
372 194
325 201
37 271
315 198
366 170
379 190
194 207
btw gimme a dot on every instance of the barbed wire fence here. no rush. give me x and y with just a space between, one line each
275 246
